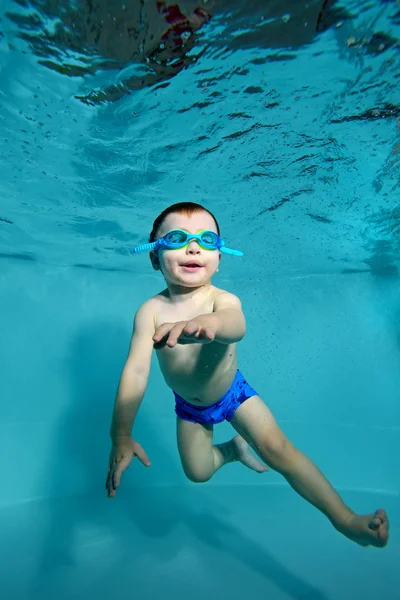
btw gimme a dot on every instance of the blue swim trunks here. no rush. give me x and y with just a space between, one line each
221 410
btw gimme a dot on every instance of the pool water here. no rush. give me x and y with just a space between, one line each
282 119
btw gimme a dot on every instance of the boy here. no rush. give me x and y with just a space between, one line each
194 328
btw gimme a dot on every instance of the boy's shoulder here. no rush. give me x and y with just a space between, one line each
155 303
152 302
219 292
224 299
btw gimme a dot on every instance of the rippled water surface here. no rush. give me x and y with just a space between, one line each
281 117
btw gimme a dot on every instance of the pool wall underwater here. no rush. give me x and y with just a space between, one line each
321 350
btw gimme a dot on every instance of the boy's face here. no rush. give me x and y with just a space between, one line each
174 263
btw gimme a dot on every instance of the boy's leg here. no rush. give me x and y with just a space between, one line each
256 424
201 459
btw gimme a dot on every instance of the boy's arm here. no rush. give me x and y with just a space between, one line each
227 319
226 325
133 381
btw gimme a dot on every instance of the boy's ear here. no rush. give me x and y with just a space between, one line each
154 261
220 256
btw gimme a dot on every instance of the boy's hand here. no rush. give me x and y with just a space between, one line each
183 332
121 455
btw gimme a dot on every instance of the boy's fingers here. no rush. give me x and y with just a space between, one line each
174 334
191 328
162 331
161 338
119 469
194 330
115 471
160 343
118 466
142 456
108 479
109 482
116 478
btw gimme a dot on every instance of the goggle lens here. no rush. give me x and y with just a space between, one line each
179 238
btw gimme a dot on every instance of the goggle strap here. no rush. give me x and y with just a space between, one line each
144 247
230 251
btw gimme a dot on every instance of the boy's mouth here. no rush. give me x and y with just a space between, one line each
192 266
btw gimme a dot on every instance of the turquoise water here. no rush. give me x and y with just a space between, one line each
283 119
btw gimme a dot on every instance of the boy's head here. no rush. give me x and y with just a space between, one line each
190 266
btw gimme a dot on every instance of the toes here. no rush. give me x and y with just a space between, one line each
383 537
380 525
374 524
378 518
261 468
381 514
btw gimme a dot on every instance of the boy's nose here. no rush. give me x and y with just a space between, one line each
193 246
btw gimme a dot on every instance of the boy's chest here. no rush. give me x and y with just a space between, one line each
188 360
183 313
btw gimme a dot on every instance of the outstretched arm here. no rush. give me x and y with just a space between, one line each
227 321
225 325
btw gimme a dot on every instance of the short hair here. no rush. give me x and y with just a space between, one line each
183 208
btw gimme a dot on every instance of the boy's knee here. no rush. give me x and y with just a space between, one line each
276 451
197 476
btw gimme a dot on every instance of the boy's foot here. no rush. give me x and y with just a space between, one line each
367 530
245 456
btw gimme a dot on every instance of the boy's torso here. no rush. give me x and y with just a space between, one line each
199 373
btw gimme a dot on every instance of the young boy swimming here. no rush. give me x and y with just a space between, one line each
194 328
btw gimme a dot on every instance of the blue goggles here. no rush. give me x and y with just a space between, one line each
179 238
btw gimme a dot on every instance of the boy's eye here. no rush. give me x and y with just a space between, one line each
208 237
176 237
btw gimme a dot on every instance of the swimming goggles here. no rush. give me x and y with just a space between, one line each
179 238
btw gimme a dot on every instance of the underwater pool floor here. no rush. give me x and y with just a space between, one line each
192 542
